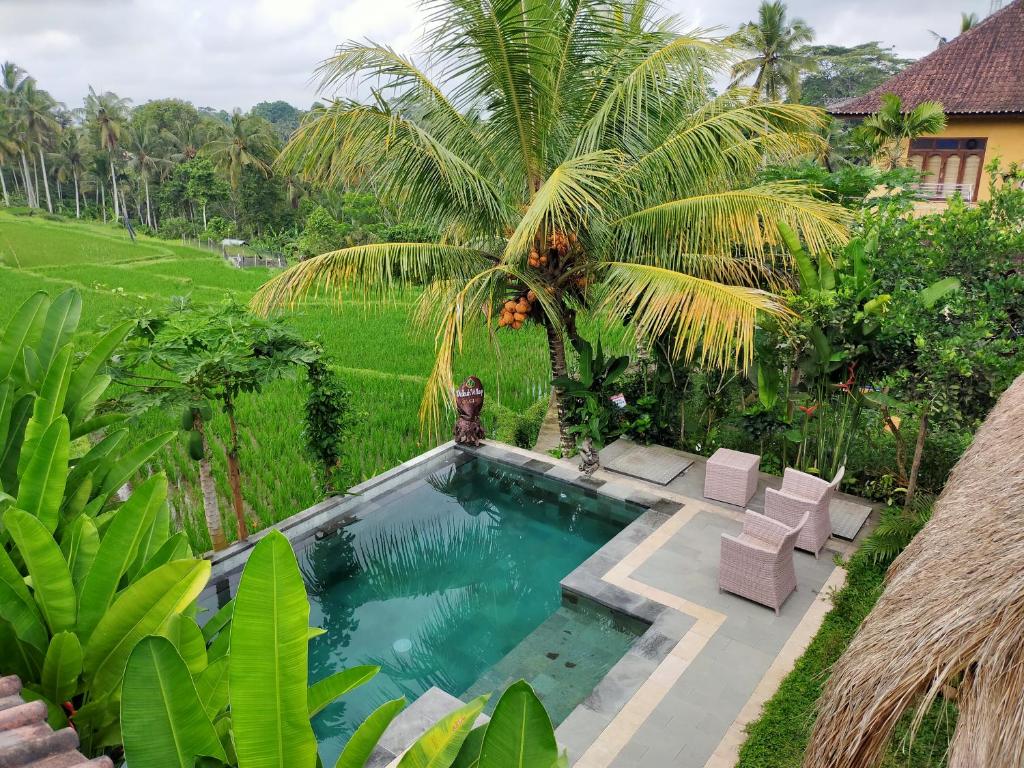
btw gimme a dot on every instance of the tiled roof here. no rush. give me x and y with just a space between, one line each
979 72
27 740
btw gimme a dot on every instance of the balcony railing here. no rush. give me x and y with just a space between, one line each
944 191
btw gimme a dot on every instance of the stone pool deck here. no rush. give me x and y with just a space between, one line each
683 694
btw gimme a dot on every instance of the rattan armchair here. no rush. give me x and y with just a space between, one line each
802 494
758 564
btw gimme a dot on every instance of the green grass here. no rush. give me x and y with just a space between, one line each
778 738
381 354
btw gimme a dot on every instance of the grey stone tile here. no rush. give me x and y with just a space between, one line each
537 465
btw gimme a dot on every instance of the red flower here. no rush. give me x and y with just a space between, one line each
848 384
808 409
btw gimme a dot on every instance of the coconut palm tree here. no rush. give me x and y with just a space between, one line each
8 148
570 161
108 112
247 142
775 60
967 21
142 146
37 125
70 159
13 82
892 128
186 139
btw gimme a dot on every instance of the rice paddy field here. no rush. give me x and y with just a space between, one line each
381 356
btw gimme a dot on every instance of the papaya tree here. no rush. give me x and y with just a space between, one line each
194 355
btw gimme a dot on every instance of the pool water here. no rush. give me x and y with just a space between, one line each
454 582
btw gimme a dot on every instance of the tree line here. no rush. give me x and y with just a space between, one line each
161 164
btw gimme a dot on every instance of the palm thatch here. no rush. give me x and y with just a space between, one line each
951 618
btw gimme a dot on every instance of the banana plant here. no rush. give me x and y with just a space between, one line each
589 390
72 609
52 390
236 692
518 735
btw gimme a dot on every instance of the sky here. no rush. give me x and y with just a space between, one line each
235 53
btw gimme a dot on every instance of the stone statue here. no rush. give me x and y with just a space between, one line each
469 401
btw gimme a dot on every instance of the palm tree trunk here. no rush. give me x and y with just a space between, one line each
204 214
46 183
235 473
3 183
211 508
149 211
915 467
103 202
78 210
28 180
113 182
556 352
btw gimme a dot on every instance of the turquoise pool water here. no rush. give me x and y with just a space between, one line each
454 582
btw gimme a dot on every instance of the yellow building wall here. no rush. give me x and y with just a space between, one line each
1005 135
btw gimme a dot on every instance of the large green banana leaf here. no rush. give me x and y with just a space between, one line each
127 465
97 461
18 608
10 450
358 748
175 548
439 746
118 548
151 542
325 691
62 667
51 580
212 687
46 407
469 753
269 661
163 723
7 397
185 636
520 733
21 331
41 489
80 543
141 609
60 325
218 621
81 378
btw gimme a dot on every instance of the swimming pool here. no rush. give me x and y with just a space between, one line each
452 580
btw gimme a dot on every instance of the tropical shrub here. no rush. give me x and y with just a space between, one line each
591 412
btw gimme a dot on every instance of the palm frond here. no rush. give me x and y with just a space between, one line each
412 170
727 140
683 61
710 320
719 222
374 269
575 191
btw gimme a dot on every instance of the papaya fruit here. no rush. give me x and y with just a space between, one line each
195 445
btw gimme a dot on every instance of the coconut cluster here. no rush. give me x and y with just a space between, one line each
515 311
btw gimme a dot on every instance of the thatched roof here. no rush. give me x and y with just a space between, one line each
979 72
953 608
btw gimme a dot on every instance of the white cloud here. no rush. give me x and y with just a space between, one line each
227 53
